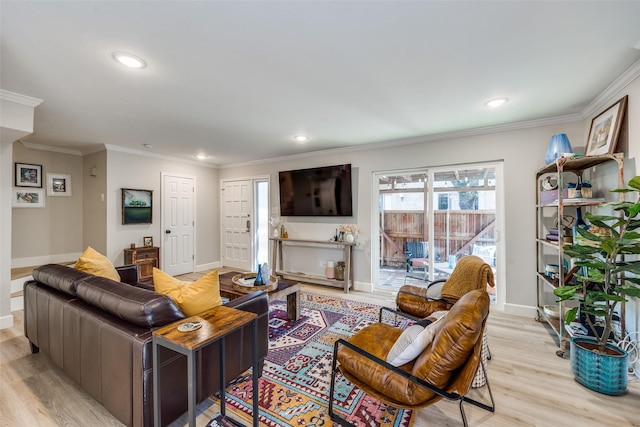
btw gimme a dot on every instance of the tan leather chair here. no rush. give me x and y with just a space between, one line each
444 369
471 272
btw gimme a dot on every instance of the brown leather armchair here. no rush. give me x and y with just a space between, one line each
444 369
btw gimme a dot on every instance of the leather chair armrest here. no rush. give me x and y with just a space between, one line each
129 275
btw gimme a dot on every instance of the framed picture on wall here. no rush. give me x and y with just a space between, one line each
58 184
136 206
28 175
605 129
27 198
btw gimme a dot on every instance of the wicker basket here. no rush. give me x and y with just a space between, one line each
239 286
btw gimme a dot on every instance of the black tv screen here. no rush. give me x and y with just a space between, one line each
324 191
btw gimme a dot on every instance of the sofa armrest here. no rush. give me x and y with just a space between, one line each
128 273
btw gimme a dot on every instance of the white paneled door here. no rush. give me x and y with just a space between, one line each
178 224
236 227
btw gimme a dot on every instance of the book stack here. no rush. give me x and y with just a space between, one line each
553 235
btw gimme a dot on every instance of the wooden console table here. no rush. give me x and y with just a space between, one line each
277 262
217 323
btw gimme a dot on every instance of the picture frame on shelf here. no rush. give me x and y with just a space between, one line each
28 175
136 206
605 129
147 241
27 198
58 184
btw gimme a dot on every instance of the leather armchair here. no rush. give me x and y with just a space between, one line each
445 369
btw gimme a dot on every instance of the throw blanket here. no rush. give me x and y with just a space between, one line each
471 273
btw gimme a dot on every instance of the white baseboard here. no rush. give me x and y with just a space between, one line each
520 310
17 303
208 266
17 284
45 259
6 322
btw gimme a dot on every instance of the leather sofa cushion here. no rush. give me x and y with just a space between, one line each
59 277
135 305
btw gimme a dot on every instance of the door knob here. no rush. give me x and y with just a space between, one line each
167 231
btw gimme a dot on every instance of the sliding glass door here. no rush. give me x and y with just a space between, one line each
429 218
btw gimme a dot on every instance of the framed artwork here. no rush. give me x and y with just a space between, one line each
605 129
148 241
58 184
136 206
28 175
27 198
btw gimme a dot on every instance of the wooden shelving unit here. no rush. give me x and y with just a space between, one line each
277 261
550 251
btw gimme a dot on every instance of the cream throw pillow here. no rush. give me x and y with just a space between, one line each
92 261
191 297
414 340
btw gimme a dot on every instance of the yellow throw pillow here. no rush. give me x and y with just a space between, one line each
191 297
92 261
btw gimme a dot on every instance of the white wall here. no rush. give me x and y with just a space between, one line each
126 170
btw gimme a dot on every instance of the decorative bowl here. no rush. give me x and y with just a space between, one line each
244 283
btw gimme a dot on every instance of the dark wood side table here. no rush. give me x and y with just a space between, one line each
146 258
217 323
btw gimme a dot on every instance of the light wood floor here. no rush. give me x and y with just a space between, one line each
531 385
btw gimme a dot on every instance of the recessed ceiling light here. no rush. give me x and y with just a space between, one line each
129 60
301 138
201 156
496 102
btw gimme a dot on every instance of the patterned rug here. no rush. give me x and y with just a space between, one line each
294 387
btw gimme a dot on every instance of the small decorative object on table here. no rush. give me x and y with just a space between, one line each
245 283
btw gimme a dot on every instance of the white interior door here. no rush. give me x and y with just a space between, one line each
237 224
178 224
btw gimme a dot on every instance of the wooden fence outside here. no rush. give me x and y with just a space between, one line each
455 232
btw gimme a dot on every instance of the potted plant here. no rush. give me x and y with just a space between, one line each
609 248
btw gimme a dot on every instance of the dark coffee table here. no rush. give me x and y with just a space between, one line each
286 288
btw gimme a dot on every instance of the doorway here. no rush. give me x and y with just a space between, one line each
245 223
429 218
178 224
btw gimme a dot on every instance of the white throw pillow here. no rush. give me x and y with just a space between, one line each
414 340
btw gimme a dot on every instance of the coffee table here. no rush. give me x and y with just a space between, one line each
286 288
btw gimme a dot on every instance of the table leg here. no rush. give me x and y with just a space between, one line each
222 379
191 394
156 385
256 407
293 306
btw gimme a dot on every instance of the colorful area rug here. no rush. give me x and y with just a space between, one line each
294 387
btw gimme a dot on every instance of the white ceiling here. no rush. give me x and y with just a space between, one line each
238 79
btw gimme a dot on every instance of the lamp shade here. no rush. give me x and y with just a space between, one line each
559 144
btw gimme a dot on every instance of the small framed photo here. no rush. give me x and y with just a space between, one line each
27 198
148 241
58 184
605 129
28 175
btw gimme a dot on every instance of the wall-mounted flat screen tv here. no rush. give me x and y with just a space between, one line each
324 191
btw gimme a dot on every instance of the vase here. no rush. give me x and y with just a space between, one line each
349 238
558 145
604 373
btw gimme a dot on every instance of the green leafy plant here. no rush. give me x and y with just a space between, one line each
610 261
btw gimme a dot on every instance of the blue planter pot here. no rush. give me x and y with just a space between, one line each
604 373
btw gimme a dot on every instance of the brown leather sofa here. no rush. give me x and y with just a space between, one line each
99 332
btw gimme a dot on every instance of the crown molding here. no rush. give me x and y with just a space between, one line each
611 91
51 148
551 121
29 101
120 149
